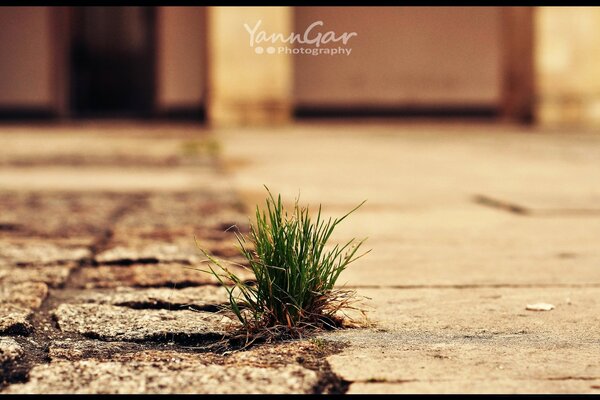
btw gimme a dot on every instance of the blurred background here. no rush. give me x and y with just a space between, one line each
521 64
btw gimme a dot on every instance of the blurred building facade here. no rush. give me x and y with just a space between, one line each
521 64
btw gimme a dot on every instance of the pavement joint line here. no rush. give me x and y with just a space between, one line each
573 378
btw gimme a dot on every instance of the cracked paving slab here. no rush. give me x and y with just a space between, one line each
35 253
53 276
91 376
183 211
198 298
88 214
183 251
11 353
301 352
33 261
14 320
27 295
17 303
113 323
299 364
149 275
10 350
106 146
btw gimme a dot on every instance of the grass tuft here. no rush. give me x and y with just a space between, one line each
295 272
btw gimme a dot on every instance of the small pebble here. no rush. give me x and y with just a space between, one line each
539 307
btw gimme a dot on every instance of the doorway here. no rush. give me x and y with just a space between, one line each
112 61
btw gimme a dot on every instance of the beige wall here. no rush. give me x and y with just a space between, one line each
180 57
26 58
404 56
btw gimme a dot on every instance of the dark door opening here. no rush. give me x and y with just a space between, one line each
112 61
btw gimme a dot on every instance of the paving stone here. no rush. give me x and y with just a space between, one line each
87 212
446 337
105 147
14 320
36 260
451 335
17 302
53 276
279 354
26 295
81 349
470 245
35 253
137 377
10 351
201 297
218 210
109 179
469 386
10 355
184 251
115 323
168 360
148 275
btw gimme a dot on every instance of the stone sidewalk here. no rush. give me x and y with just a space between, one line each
468 224
99 284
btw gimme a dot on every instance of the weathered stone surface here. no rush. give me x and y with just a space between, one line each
214 209
36 260
251 365
10 351
167 369
10 356
494 312
451 333
108 146
36 253
183 251
446 337
13 320
420 217
52 275
429 357
17 302
99 350
139 377
173 299
468 386
471 267
114 323
149 275
42 214
279 354
26 295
